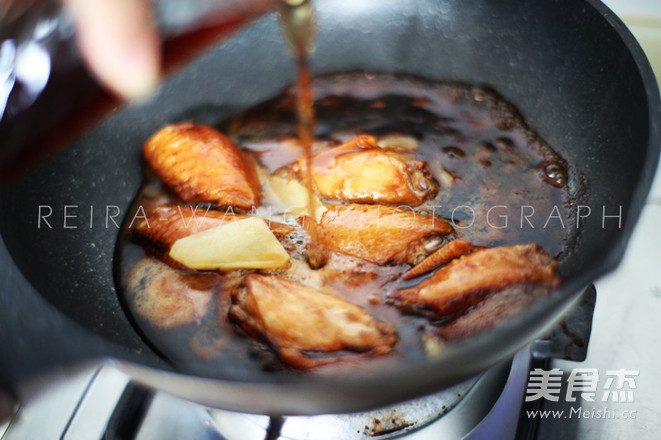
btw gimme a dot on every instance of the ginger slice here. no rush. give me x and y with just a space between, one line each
243 244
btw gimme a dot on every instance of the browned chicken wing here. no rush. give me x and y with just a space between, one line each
449 251
381 234
164 225
466 280
202 165
361 171
491 311
296 319
167 298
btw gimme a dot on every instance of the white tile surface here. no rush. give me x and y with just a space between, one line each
635 7
655 192
627 319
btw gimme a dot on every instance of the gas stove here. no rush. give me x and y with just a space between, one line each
102 404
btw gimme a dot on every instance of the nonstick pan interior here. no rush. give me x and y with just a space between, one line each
570 67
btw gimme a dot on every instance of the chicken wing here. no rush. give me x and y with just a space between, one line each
202 165
449 251
381 234
466 280
167 298
296 319
361 171
164 225
493 310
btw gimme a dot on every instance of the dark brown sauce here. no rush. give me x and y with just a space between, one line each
481 153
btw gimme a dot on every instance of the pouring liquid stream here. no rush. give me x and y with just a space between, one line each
298 27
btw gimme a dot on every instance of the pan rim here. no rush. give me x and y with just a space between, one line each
557 303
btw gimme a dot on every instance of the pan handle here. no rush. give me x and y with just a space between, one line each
569 339
8 403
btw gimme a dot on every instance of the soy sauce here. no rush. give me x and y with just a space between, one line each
298 28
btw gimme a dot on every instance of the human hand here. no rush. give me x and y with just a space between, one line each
119 41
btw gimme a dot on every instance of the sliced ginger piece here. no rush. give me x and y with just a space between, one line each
242 244
293 197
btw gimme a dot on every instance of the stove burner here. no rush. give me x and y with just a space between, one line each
425 418
384 423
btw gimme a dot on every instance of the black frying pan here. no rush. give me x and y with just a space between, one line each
571 67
